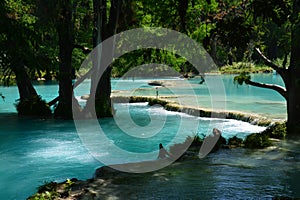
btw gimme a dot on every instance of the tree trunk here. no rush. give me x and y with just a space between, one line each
30 103
102 31
293 103
182 10
65 36
26 89
102 98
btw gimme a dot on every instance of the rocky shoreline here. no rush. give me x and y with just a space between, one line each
109 183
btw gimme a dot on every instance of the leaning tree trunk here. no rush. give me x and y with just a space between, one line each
65 36
30 104
26 89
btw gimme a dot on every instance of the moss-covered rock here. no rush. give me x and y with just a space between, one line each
276 130
257 141
235 142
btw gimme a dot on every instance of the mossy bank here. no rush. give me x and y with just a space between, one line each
194 111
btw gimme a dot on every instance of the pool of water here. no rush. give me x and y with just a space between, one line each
217 92
35 151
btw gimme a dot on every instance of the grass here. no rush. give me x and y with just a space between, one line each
246 67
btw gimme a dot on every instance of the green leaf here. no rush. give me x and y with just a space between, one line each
242 78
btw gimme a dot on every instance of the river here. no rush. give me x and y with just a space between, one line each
35 151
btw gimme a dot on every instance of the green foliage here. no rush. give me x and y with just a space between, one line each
261 140
257 141
246 67
68 184
33 107
264 123
233 27
282 62
46 192
242 78
53 190
277 10
149 56
276 130
235 141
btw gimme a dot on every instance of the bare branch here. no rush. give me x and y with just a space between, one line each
51 103
267 61
281 90
79 81
280 70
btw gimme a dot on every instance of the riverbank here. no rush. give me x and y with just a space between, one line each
225 174
182 180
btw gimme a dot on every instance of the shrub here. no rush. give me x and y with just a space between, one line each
276 130
53 190
248 67
33 107
257 141
235 141
46 191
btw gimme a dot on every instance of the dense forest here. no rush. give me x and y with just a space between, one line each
49 39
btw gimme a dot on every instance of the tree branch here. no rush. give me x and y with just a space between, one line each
281 90
79 81
269 63
84 50
82 78
51 103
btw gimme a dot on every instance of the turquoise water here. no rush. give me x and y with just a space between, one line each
35 151
240 98
244 98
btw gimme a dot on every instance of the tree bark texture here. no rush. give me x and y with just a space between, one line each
66 42
293 103
26 89
105 27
